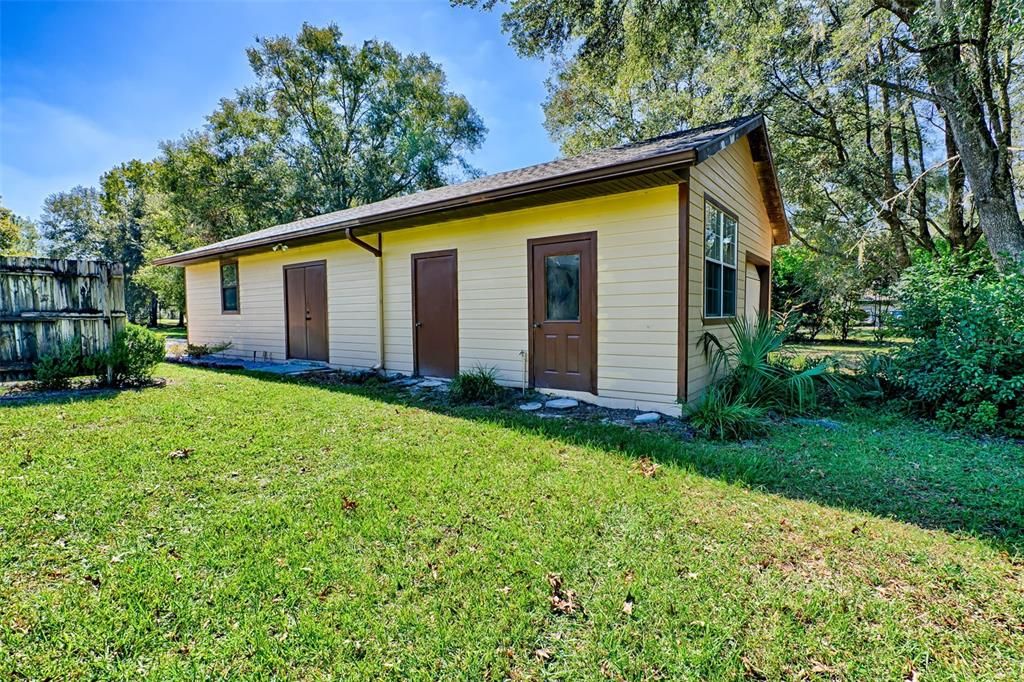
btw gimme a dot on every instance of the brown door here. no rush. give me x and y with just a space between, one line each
563 312
305 290
435 314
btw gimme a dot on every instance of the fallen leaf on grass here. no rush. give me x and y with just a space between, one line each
180 454
542 655
647 467
627 606
562 600
348 505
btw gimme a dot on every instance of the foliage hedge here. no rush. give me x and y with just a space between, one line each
56 369
131 358
965 363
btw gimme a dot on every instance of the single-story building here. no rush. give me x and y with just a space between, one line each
592 276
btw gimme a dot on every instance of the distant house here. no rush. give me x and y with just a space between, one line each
878 308
592 276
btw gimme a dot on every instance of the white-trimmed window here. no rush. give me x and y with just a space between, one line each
720 234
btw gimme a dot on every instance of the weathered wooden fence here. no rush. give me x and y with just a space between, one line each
44 302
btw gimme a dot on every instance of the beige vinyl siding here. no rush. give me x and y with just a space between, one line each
637 267
259 327
729 178
637 282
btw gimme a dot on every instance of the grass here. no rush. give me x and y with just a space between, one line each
307 532
170 329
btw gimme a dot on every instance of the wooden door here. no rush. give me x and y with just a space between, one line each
306 310
563 312
435 314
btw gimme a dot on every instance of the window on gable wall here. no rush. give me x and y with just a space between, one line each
229 287
720 248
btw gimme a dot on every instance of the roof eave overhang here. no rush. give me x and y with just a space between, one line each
447 209
756 131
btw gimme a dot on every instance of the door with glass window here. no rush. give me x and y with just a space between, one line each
563 312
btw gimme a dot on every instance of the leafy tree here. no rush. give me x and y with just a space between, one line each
107 223
325 127
70 223
28 238
10 231
19 236
970 53
873 104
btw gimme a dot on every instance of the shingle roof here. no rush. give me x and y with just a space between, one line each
684 148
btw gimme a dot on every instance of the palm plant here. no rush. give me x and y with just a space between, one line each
752 370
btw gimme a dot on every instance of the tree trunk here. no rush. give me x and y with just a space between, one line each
181 317
985 161
154 310
955 199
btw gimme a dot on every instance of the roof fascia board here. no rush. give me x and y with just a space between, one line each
366 225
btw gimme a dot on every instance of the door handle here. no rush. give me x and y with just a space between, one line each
538 325
419 324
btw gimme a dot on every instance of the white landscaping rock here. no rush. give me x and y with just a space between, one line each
561 404
647 418
530 407
431 383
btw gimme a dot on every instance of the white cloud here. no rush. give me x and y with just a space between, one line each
46 149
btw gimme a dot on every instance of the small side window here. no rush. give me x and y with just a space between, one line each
229 287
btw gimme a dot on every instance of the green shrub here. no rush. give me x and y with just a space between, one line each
200 350
717 415
965 363
874 378
750 369
478 385
134 354
56 369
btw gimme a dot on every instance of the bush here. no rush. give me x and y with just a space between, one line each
750 369
874 378
965 363
134 354
200 350
478 385
752 377
721 417
55 369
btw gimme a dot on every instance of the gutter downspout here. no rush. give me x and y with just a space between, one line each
377 251
380 301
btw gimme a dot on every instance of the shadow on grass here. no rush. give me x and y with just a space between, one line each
885 464
33 397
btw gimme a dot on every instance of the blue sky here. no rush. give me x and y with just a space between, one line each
85 86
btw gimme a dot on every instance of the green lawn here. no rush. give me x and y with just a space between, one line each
170 329
312 533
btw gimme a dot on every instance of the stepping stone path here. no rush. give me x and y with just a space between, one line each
561 404
530 407
431 383
646 418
